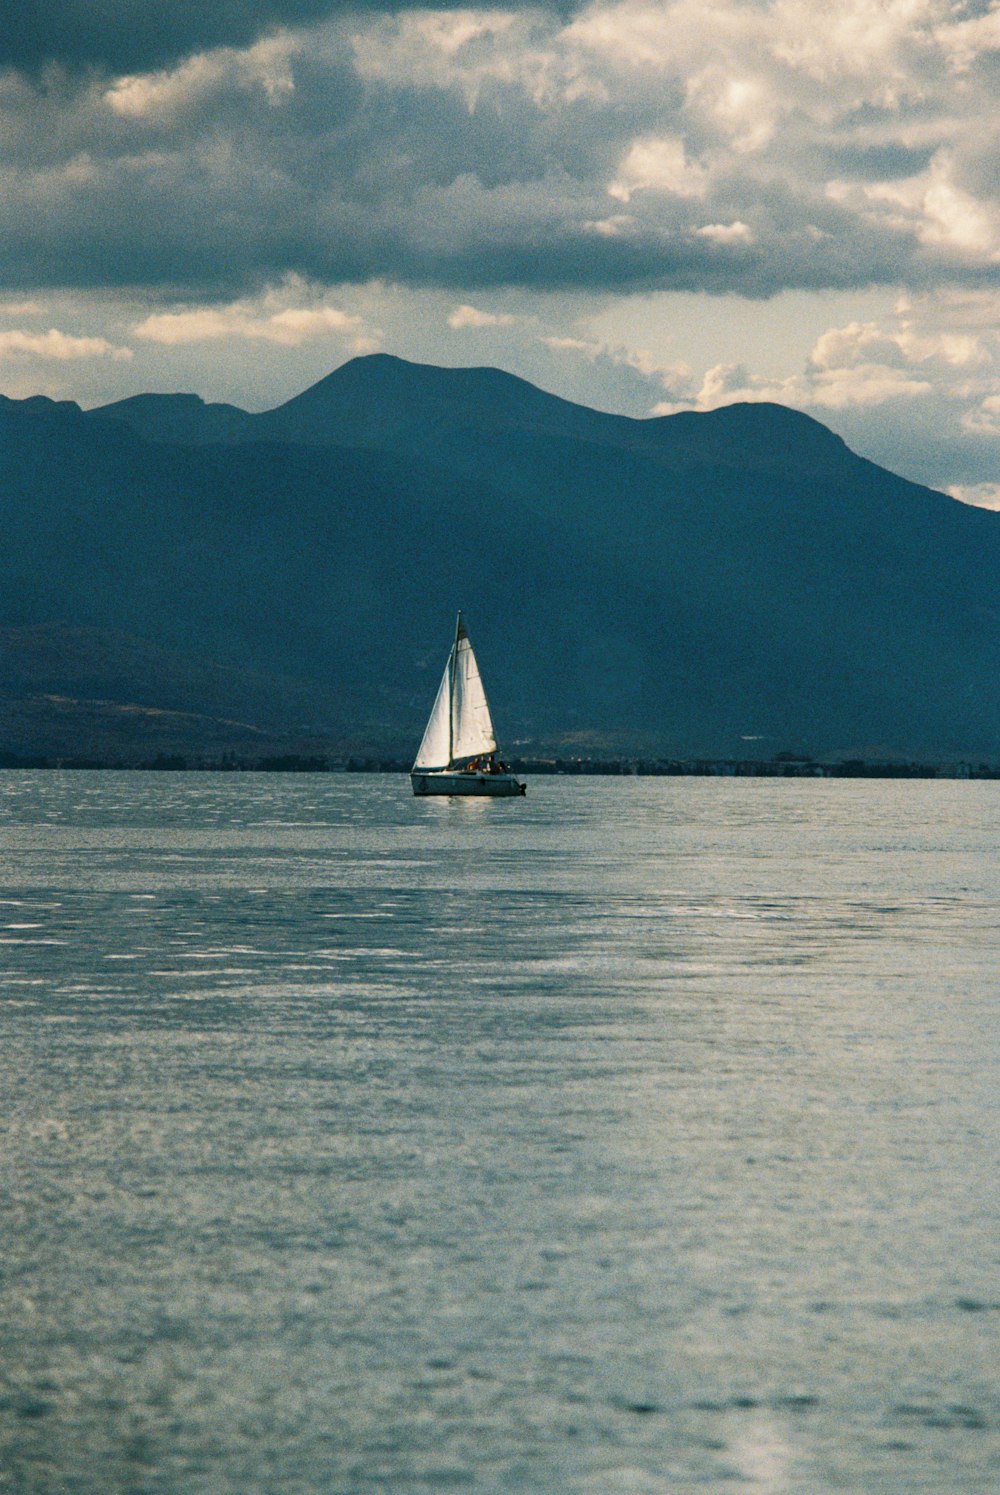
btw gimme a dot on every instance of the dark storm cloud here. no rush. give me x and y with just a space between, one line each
124 36
486 149
185 226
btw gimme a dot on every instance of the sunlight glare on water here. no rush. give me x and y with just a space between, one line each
640 1135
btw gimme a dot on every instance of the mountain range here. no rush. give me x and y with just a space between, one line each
179 576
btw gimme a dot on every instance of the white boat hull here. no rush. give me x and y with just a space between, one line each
443 781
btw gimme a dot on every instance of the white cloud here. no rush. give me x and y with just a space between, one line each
574 345
748 67
469 51
860 384
469 316
657 165
272 318
933 206
842 388
744 110
726 233
148 96
615 226
875 42
953 219
62 346
901 344
965 42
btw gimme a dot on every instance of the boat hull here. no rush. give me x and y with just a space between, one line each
491 785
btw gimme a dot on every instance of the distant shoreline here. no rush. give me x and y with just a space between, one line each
784 767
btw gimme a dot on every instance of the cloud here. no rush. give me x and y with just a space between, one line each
966 42
121 36
166 93
833 387
271 176
271 318
20 308
725 233
983 419
645 144
467 316
61 346
857 345
658 165
675 377
933 208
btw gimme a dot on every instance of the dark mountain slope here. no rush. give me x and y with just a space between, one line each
384 402
684 583
67 692
187 419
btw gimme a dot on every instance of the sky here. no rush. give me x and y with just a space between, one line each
644 205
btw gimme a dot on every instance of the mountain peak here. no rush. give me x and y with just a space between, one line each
379 397
385 376
763 419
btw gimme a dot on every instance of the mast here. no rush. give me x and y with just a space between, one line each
451 701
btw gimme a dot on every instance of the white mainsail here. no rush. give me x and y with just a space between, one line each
460 726
435 746
472 725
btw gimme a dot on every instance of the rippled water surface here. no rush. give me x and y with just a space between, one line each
638 1136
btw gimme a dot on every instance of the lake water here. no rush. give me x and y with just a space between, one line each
638 1136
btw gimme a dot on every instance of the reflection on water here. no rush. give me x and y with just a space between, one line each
637 1136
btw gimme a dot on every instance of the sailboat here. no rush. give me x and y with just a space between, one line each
458 753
